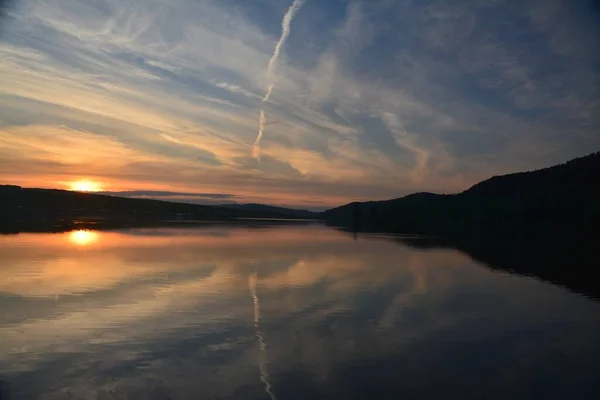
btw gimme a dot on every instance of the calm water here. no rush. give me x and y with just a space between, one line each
281 313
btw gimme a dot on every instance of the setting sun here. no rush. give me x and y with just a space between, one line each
85 186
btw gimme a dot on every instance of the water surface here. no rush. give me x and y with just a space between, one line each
300 312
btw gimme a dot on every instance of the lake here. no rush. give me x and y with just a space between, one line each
283 312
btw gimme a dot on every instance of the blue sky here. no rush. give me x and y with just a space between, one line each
371 99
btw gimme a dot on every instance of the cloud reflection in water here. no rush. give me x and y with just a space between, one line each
165 312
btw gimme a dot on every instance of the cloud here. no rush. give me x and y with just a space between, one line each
165 96
404 139
235 89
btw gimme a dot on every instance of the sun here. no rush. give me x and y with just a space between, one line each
83 237
85 186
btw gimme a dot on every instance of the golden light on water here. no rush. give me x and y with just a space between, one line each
85 186
83 237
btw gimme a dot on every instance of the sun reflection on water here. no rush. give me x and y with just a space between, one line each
83 237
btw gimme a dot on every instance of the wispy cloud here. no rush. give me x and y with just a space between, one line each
235 89
407 141
164 96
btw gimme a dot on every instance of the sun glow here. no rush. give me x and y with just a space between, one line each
85 186
83 237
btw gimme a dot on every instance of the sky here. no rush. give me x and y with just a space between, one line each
370 99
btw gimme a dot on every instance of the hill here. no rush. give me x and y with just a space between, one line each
289 212
22 206
563 198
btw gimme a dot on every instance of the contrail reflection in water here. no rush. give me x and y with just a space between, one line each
262 355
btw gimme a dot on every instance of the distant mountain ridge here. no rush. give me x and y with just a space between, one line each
291 212
562 197
19 206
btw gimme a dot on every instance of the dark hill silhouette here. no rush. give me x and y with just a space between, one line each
289 212
562 198
22 208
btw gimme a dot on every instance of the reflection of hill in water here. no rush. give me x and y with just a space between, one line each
572 263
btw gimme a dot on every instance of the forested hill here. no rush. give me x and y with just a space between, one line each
561 198
261 208
21 204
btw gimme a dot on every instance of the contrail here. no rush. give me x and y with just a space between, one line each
262 358
285 32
